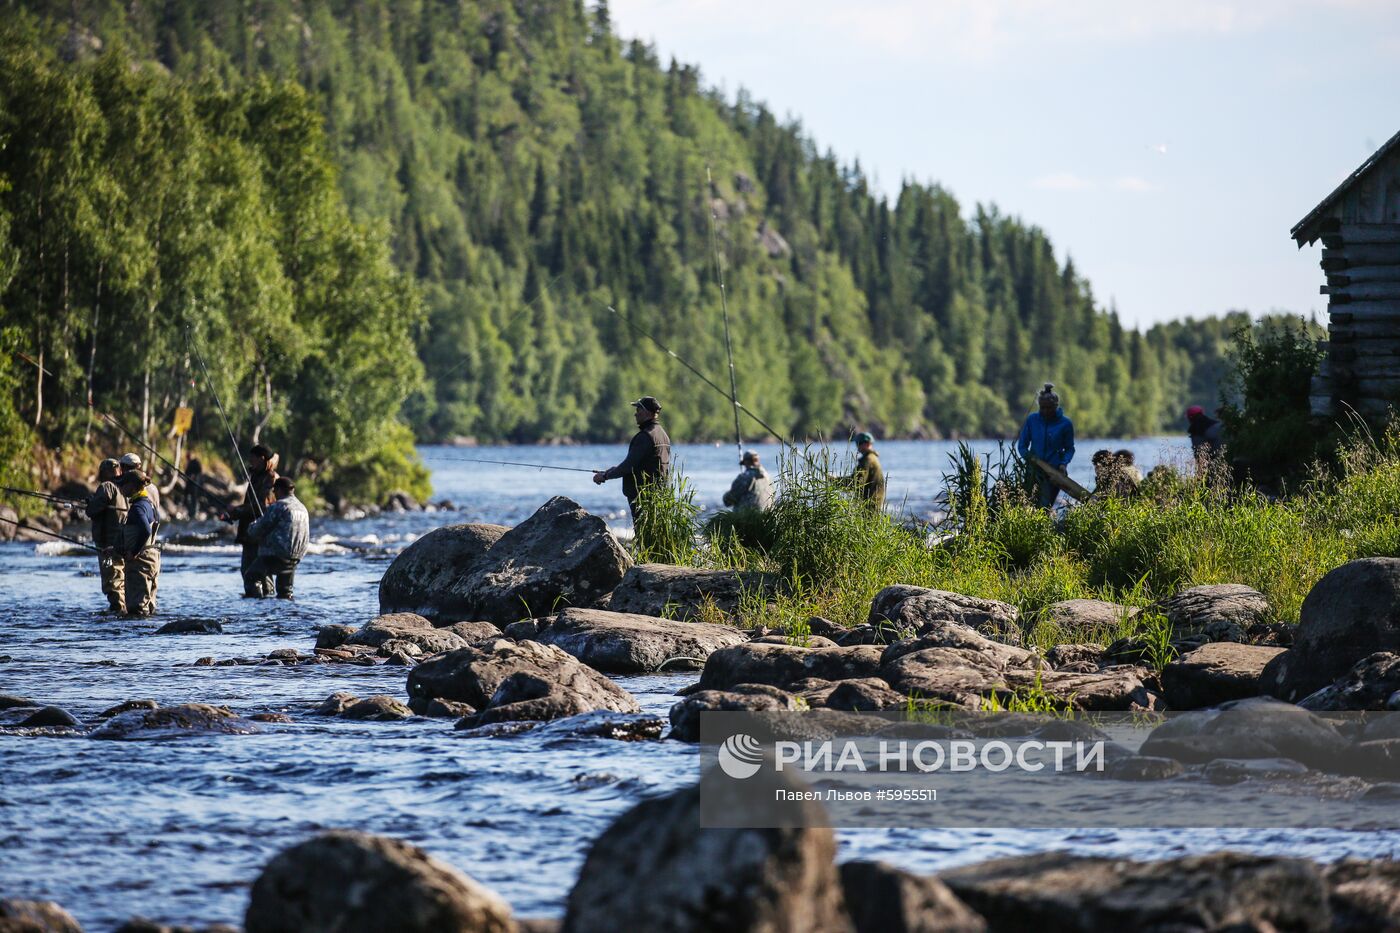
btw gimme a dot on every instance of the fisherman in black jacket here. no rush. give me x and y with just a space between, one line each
648 456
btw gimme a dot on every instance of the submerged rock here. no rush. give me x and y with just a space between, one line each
191 627
336 703
51 717
428 577
1352 612
517 680
126 707
657 868
379 708
333 636
673 592
883 899
1215 673
625 643
7 701
1226 890
171 721
352 882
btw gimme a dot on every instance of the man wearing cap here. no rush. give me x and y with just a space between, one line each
1207 434
262 474
282 535
648 456
752 488
138 544
133 462
107 508
868 477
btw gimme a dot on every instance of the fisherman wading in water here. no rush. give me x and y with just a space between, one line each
648 456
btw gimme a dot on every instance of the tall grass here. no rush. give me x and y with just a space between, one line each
1180 531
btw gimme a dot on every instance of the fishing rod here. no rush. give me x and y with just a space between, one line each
193 483
51 534
724 307
50 497
209 384
538 466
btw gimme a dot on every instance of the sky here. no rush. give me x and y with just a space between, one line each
1167 146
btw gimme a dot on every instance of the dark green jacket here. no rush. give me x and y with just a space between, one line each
648 459
107 509
869 479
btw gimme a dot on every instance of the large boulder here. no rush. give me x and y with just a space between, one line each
1352 612
745 698
1364 895
1373 683
1215 673
784 665
624 643
883 899
559 557
407 627
171 721
657 868
1088 615
1247 729
1220 609
23 916
429 576
353 882
508 680
685 592
1063 892
907 611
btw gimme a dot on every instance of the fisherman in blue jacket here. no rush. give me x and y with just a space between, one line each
1049 435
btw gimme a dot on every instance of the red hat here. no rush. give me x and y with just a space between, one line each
1195 410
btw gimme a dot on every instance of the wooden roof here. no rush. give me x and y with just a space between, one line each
1307 230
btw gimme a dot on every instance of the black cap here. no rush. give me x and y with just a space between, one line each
649 403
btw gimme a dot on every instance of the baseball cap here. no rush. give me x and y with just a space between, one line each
749 456
130 462
649 403
864 438
1195 410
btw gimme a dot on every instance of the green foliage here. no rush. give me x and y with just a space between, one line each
16 437
531 167
665 527
1272 366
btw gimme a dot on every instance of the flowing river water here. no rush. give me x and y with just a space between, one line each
177 829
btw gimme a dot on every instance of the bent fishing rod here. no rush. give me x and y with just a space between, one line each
193 483
724 307
209 384
51 534
538 466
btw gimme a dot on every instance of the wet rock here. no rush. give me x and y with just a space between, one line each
625 643
407 627
1089 615
1254 728
1225 890
428 577
1364 894
333 636
561 556
441 709
7 701
51 717
1225 611
336 703
671 592
658 869
191 627
1215 673
748 698
1143 768
352 882
284 654
1235 770
378 708
1351 613
1369 685
782 665
883 899
171 721
127 707
536 681
601 724
909 610
271 717
22 916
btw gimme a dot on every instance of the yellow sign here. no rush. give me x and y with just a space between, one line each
184 417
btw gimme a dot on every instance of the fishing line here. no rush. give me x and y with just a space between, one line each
724 307
51 534
209 384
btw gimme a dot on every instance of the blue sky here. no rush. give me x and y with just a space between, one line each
1167 147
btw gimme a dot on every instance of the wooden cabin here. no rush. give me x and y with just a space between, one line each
1359 226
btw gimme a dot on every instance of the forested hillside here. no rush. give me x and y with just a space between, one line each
530 168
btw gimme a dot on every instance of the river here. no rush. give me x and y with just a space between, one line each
176 830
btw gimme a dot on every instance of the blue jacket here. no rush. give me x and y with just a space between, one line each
1051 440
139 530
